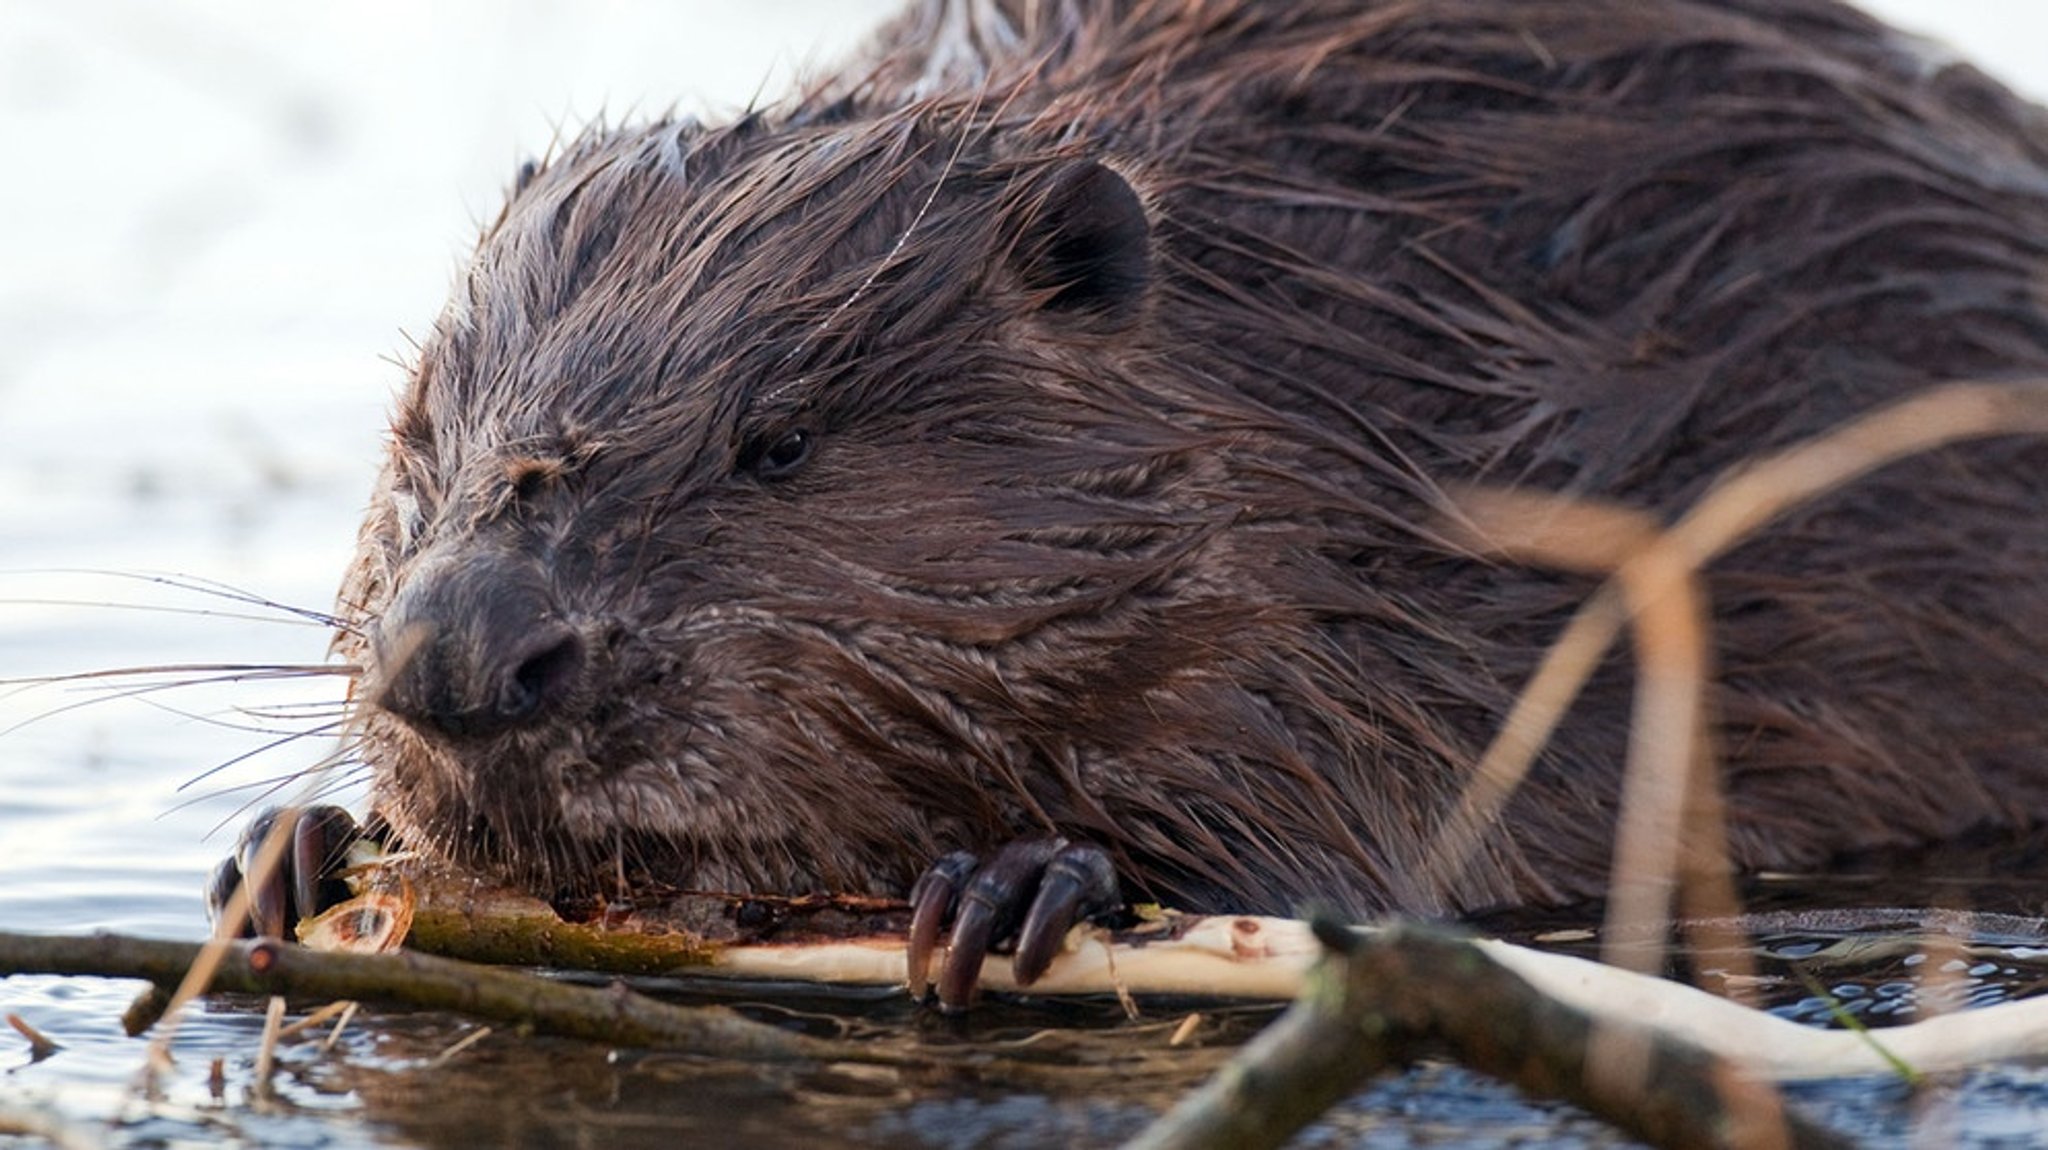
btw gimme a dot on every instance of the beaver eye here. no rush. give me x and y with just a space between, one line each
781 457
411 509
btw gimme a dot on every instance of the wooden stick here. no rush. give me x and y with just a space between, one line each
1384 999
266 966
1220 955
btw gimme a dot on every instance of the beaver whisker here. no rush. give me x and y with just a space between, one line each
335 772
339 709
206 675
278 791
161 609
335 714
329 763
192 583
215 672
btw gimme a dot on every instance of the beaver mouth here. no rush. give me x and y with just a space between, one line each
708 751
587 799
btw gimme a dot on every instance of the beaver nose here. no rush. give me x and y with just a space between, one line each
473 646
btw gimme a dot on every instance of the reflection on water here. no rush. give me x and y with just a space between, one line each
233 211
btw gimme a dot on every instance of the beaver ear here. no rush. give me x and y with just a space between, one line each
1087 241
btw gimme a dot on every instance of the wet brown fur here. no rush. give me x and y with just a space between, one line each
1169 574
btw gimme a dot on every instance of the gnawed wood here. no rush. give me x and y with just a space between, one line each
1226 956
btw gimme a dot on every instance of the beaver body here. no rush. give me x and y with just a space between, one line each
1042 427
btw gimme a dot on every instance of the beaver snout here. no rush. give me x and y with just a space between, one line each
474 645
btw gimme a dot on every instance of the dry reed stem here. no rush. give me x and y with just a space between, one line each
1669 823
348 1013
460 1045
1550 531
1560 532
1670 764
267 857
1530 723
40 1045
263 862
1669 837
1671 659
317 1018
266 1050
1935 1119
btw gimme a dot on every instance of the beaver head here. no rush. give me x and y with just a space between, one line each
771 510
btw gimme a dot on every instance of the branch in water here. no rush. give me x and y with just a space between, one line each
1383 999
1395 994
614 1014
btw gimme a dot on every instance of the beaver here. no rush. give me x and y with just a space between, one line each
1028 448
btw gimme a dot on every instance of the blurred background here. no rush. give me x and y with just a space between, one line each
218 224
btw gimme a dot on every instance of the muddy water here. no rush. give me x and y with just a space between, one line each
217 223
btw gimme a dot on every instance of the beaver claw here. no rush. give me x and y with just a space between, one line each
302 884
1028 896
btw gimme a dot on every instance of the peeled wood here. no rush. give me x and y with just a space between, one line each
1239 956
852 942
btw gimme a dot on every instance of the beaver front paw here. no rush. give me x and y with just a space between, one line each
1027 897
305 880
